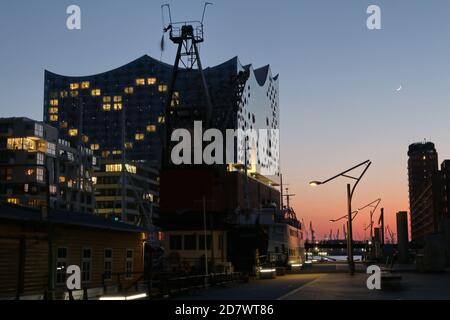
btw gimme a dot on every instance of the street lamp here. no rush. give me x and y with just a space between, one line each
350 192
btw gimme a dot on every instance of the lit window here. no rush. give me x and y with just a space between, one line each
63 124
117 98
73 132
62 179
106 99
129 90
139 136
51 148
74 94
175 99
74 86
117 106
21 144
64 94
107 107
162 88
54 102
53 110
29 172
85 139
85 85
131 169
151 81
53 117
40 157
95 146
161 119
40 174
128 145
140 82
94 180
105 154
151 128
52 189
13 200
38 130
113 168
96 92
117 152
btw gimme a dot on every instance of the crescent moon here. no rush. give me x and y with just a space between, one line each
399 89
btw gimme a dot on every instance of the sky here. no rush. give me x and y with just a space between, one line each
338 79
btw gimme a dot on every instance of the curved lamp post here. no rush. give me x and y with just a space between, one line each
350 192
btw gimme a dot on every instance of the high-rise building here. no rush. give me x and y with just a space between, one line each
37 168
422 163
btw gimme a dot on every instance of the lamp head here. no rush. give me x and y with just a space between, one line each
315 183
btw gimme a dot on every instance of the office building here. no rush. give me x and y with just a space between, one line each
38 168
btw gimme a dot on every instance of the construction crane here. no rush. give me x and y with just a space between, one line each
337 234
288 198
391 234
345 232
330 236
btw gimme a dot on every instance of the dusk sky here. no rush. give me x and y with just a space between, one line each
338 80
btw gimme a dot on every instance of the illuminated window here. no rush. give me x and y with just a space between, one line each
64 94
40 174
118 168
53 117
73 132
128 145
62 179
29 172
63 124
151 81
139 136
52 189
175 99
74 94
162 88
117 98
96 92
161 119
13 200
94 180
105 154
140 82
117 106
85 85
85 139
51 148
151 128
54 102
74 86
113 168
106 99
21 144
53 110
40 158
95 146
129 90
117 152
107 107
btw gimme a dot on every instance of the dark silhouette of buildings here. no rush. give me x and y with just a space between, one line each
422 162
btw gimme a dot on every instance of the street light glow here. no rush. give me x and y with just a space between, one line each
315 183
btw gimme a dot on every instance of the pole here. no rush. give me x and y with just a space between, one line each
350 232
382 227
205 242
